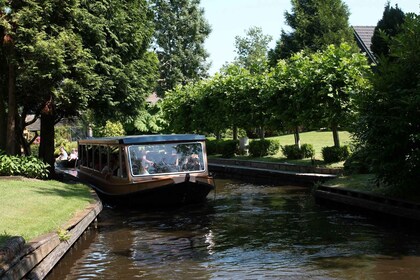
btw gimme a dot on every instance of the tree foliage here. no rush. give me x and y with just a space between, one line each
388 128
180 32
64 57
252 50
315 24
388 26
118 34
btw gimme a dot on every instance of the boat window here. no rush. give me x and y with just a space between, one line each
166 158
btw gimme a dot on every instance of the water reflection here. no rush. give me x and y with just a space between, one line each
246 232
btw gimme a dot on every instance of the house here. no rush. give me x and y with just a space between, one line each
363 36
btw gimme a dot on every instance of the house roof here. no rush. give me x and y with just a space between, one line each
363 35
36 126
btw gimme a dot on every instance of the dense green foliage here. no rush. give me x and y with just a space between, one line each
335 154
388 26
312 90
388 126
263 147
296 152
30 167
315 25
63 58
180 32
252 50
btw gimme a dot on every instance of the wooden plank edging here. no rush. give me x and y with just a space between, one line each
39 256
48 263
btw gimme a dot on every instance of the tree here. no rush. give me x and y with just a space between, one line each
48 69
388 26
72 57
315 24
118 35
388 127
180 32
252 50
338 76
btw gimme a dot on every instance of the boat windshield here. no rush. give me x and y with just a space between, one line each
166 158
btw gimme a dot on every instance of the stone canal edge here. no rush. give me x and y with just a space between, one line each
35 259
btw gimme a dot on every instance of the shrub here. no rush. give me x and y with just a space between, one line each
261 148
357 163
228 148
212 147
30 167
335 154
293 152
33 167
308 150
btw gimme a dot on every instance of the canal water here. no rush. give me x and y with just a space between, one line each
244 232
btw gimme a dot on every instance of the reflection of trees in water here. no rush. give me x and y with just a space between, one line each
266 228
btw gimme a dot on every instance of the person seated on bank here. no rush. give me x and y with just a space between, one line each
62 159
73 154
63 154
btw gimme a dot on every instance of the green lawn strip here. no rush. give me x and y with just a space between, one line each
367 183
318 139
30 208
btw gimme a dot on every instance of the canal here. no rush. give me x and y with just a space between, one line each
244 232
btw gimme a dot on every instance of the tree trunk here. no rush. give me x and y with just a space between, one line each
3 116
297 136
261 132
235 132
336 136
46 148
11 116
218 136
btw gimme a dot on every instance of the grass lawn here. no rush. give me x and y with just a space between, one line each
318 139
30 208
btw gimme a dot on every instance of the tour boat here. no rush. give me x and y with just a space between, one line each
146 170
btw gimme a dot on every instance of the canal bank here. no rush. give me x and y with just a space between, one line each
286 173
271 172
35 259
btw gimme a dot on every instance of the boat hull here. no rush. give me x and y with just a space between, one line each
175 194
159 192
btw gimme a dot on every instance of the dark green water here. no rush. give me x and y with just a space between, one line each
245 232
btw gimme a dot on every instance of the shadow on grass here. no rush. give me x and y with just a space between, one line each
65 190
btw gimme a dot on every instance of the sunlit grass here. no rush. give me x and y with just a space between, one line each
30 208
318 139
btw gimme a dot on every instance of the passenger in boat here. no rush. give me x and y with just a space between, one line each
191 163
112 168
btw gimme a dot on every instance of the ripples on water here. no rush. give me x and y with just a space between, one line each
246 232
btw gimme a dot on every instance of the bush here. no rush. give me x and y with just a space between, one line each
261 148
335 154
293 151
308 150
228 148
357 163
212 147
30 167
